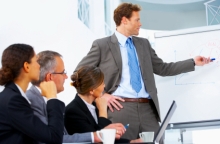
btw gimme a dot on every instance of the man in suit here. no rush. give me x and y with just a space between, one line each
128 63
52 68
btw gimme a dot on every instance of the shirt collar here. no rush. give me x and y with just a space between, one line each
22 93
121 38
88 104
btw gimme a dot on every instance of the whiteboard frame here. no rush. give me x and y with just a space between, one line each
187 31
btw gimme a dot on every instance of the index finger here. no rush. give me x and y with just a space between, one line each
121 126
118 98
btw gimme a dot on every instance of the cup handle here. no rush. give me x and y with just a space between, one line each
140 135
98 134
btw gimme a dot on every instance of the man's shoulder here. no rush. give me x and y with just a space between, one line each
108 38
139 38
33 94
30 92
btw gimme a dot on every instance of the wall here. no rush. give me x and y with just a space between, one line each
48 25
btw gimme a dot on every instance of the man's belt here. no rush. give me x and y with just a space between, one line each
140 100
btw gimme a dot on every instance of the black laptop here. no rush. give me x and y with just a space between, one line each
164 124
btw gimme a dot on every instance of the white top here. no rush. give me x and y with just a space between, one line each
92 110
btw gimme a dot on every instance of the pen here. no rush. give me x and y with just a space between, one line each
212 59
126 126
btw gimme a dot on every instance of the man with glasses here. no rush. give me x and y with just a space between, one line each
52 69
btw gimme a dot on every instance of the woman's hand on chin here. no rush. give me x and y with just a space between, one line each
101 104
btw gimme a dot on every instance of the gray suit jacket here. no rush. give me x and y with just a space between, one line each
39 106
105 54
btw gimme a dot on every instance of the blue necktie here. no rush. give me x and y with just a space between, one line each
133 66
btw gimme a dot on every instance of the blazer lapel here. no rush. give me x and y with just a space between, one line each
116 53
139 50
40 98
85 109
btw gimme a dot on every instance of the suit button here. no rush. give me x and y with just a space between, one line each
116 85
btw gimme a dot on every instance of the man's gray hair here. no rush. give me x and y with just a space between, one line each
47 62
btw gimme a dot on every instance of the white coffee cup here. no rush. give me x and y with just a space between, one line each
147 136
107 136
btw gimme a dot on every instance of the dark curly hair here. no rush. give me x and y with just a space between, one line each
13 59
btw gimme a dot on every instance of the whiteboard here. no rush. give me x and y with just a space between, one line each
196 93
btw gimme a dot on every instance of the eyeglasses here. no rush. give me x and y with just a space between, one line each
62 73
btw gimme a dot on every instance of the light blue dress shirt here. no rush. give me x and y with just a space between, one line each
125 89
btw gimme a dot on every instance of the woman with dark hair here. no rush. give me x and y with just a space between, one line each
18 124
88 111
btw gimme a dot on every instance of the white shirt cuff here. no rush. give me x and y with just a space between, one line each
92 136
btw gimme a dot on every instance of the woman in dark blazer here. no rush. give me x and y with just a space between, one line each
88 111
18 124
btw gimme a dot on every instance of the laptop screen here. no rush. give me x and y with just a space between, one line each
165 122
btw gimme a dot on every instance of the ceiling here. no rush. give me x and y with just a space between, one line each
171 14
169 5
171 2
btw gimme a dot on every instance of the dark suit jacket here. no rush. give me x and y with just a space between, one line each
78 118
39 107
19 125
105 54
